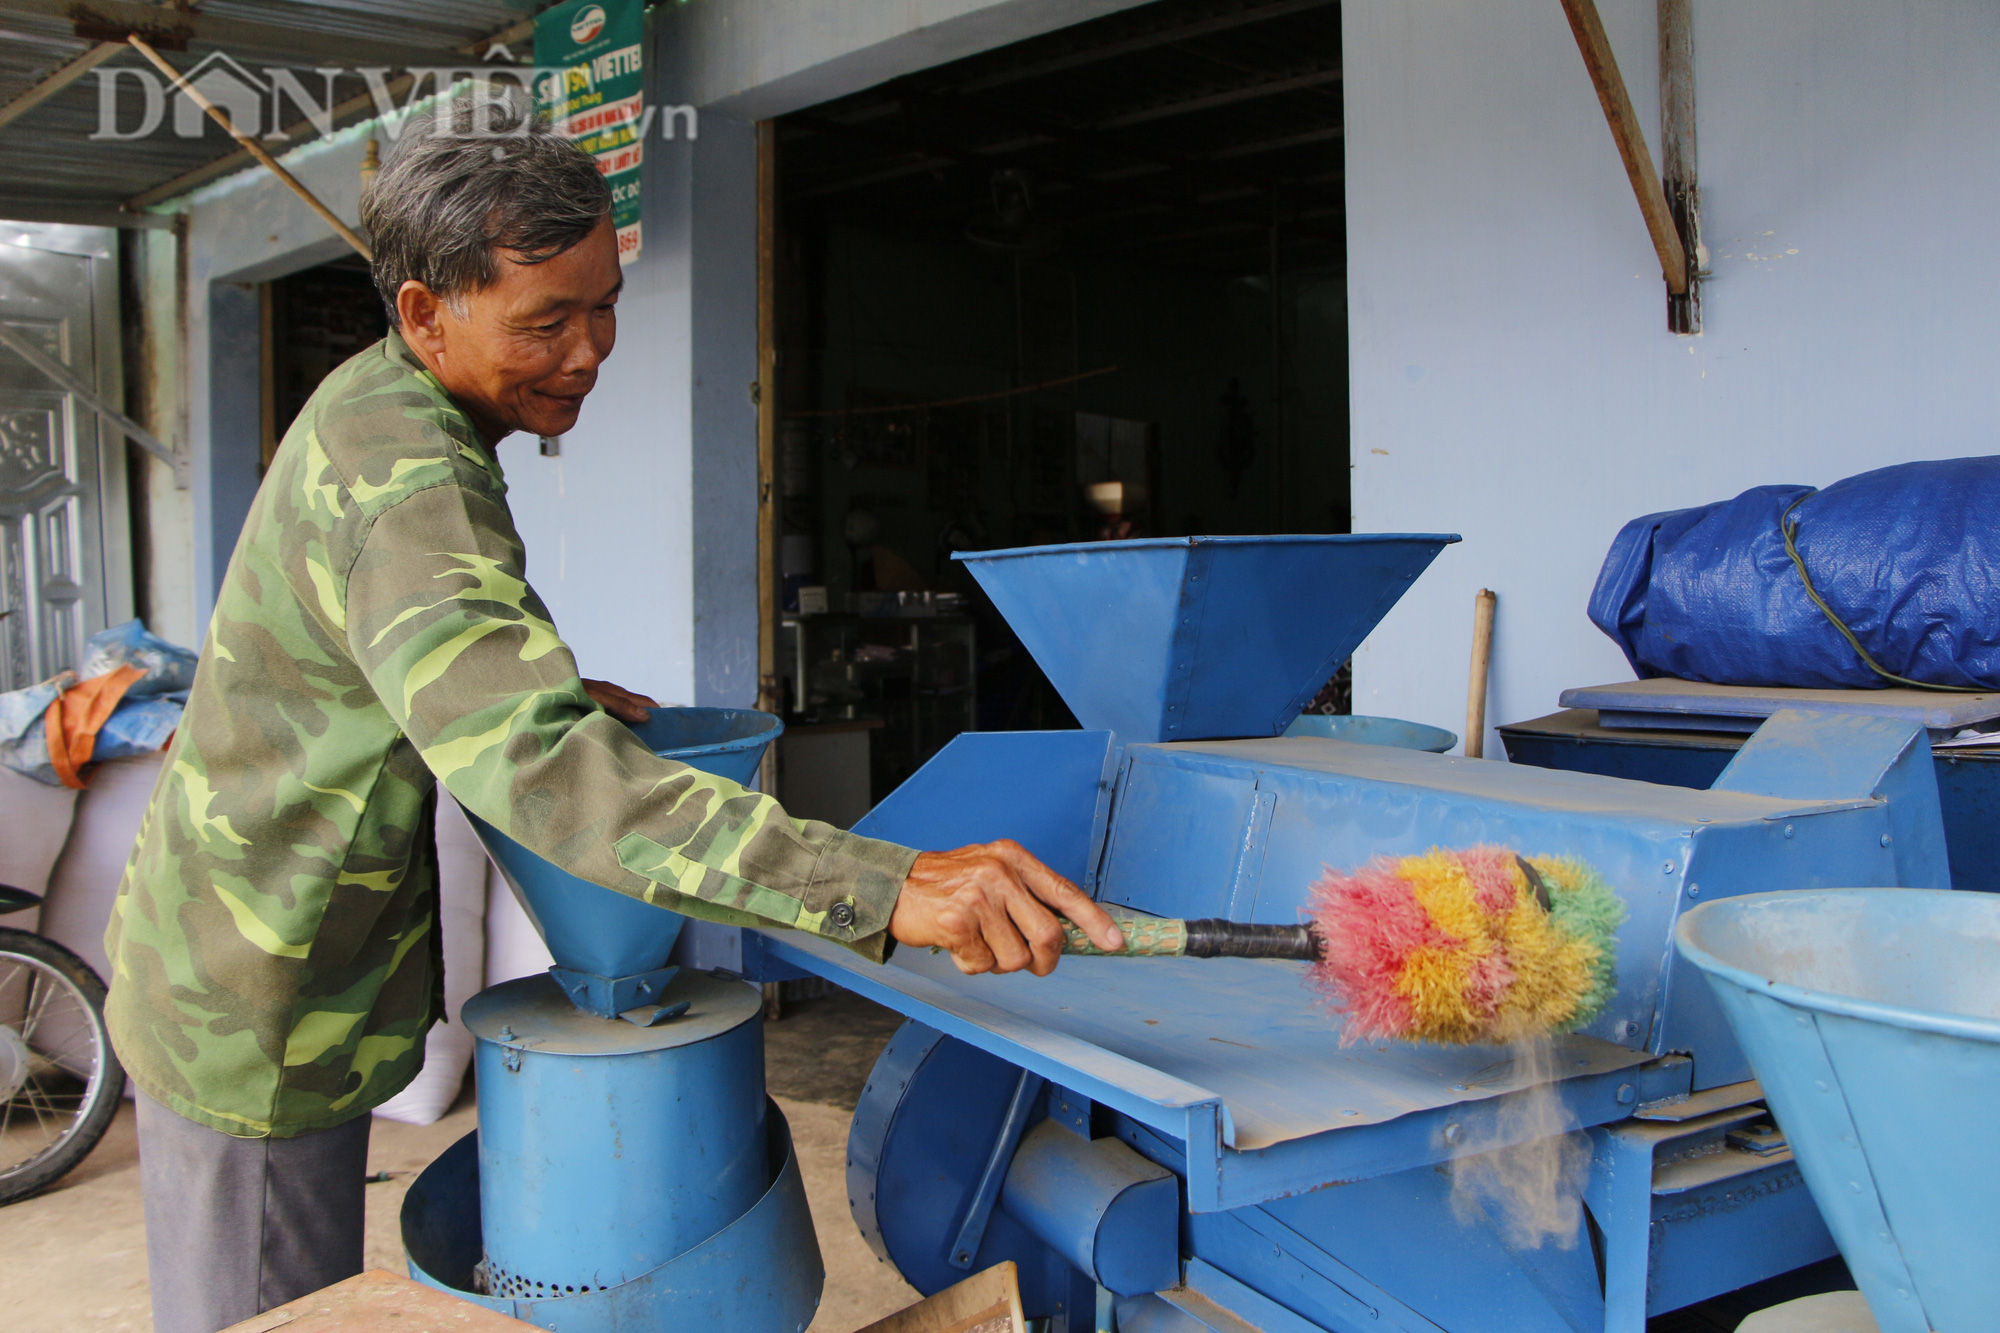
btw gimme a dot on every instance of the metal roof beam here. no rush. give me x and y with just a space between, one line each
172 29
988 158
1144 42
82 215
1265 87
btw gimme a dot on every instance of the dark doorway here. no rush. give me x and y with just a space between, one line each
315 319
1087 286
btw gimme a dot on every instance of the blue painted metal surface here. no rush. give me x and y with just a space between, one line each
607 1149
1364 730
1872 1017
1968 780
1803 754
613 946
1684 1216
1113 1215
953 800
1185 638
762 1273
1225 1072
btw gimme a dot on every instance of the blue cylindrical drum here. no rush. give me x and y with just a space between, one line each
606 1148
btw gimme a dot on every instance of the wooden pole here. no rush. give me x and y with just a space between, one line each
252 147
1678 179
1625 132
767 428
59 80
1482 660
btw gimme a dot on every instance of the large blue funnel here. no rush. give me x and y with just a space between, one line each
610 948
1872 1019
1198 638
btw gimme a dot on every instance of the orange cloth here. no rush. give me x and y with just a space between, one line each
78 714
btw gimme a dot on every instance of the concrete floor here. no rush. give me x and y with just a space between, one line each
74 1257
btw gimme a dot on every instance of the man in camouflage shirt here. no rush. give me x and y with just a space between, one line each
274 946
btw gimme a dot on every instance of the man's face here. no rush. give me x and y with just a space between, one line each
527 349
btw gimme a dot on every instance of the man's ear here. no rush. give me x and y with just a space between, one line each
421 315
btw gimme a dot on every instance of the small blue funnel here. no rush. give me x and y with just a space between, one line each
611 950
1872 1020
1198 638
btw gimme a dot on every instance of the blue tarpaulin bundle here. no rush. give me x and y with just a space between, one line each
1890 578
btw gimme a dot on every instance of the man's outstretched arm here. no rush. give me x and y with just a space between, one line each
461 652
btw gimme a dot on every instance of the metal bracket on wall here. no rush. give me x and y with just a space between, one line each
1671 210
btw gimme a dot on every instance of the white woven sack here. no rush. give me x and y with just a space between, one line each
462 875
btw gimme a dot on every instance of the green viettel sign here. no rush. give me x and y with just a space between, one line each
592 85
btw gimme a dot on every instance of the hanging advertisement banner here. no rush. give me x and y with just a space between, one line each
592 86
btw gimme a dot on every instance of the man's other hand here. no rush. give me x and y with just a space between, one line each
994 906
620 702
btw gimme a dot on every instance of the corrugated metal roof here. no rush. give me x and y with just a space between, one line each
50 156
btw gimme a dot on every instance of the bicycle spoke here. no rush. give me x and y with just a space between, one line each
39 1008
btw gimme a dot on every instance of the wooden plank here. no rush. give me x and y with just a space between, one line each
368 1302
1677 154
1603 66
342 114
988 1302
59 80
251 146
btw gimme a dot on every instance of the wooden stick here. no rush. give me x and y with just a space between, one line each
1603 67
1482 659
251 146
60 79
767 437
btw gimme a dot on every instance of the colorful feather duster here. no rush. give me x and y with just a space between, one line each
1480 945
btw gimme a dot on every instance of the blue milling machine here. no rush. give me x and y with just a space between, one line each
1169 1145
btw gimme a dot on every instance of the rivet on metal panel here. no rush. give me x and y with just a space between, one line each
1454 1132
1627 1094
1789 830
1666 867
1885 840
1694 890
1458 1087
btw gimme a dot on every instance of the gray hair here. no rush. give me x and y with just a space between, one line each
474 177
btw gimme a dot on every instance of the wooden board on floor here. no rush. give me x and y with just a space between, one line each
988 1302
376 1300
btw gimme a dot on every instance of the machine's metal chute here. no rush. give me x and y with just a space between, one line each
1199 638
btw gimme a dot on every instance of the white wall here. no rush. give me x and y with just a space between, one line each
1512 375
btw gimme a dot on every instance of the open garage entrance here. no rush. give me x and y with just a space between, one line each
1088 286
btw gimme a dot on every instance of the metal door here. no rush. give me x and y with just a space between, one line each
58 580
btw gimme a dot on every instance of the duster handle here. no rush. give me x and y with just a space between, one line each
1207 937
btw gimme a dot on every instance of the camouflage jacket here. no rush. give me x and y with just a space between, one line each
274 951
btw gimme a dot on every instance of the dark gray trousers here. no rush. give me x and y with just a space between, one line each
236 1226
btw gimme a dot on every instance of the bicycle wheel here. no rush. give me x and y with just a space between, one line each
60 1084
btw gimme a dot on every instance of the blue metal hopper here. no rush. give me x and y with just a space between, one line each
1872 1018
611 950
1199 638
